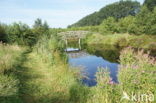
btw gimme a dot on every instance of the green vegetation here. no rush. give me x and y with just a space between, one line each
44 76
117 10
135 76
150 4
9 82
124 40
34 69
45 79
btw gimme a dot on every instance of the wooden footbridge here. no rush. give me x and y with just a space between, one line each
73 35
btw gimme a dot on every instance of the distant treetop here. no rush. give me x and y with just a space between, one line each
117 10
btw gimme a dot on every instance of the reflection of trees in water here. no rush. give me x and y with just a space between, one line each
108 52
77 54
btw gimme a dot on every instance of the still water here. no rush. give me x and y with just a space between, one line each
91 59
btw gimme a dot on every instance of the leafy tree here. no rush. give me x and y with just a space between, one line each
127 24
39 28
109 26
153 22
150 4
143 21
38 23
3 35
45 25
20 33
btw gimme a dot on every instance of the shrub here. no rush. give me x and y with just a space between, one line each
137 72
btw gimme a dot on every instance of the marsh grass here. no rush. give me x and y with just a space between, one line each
124 40
9 83
136 75
42 75
137 72
8 55
46 78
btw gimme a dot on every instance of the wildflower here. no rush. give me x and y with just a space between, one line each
143 71
111 82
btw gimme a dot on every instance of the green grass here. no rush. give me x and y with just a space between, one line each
46 78
124 40
9 83
136 75
42 75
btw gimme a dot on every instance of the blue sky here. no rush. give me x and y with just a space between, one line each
58 13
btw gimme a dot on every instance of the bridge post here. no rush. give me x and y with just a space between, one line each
79 43
66 42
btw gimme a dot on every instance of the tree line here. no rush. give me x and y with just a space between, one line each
117 10
22 34
142 21
120 11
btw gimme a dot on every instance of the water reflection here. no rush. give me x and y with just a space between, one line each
108 52
91 62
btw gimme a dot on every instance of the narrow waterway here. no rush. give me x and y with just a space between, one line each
89 62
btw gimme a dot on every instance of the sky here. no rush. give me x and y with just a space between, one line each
57 13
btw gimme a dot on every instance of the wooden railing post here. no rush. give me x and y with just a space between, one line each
79 43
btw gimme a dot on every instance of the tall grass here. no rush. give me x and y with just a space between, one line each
47 78
8 55
9 83
124 40
137 72
43 76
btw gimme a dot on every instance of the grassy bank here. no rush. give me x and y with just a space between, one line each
136 77
9 82
46 77
124 40
41 75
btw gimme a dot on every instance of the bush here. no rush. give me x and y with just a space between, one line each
137 72
109 25
3 35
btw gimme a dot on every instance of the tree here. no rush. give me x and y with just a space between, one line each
45 25
143 21
153 22
38 23
20 33
150 4
3 35
109 26
127 25
40 28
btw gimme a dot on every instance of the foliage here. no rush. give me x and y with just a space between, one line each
3 35
123 40
8 55
20 33
127 25
117 10
109 25
137 72
136 75
39 28
150 4
143 21
9 83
